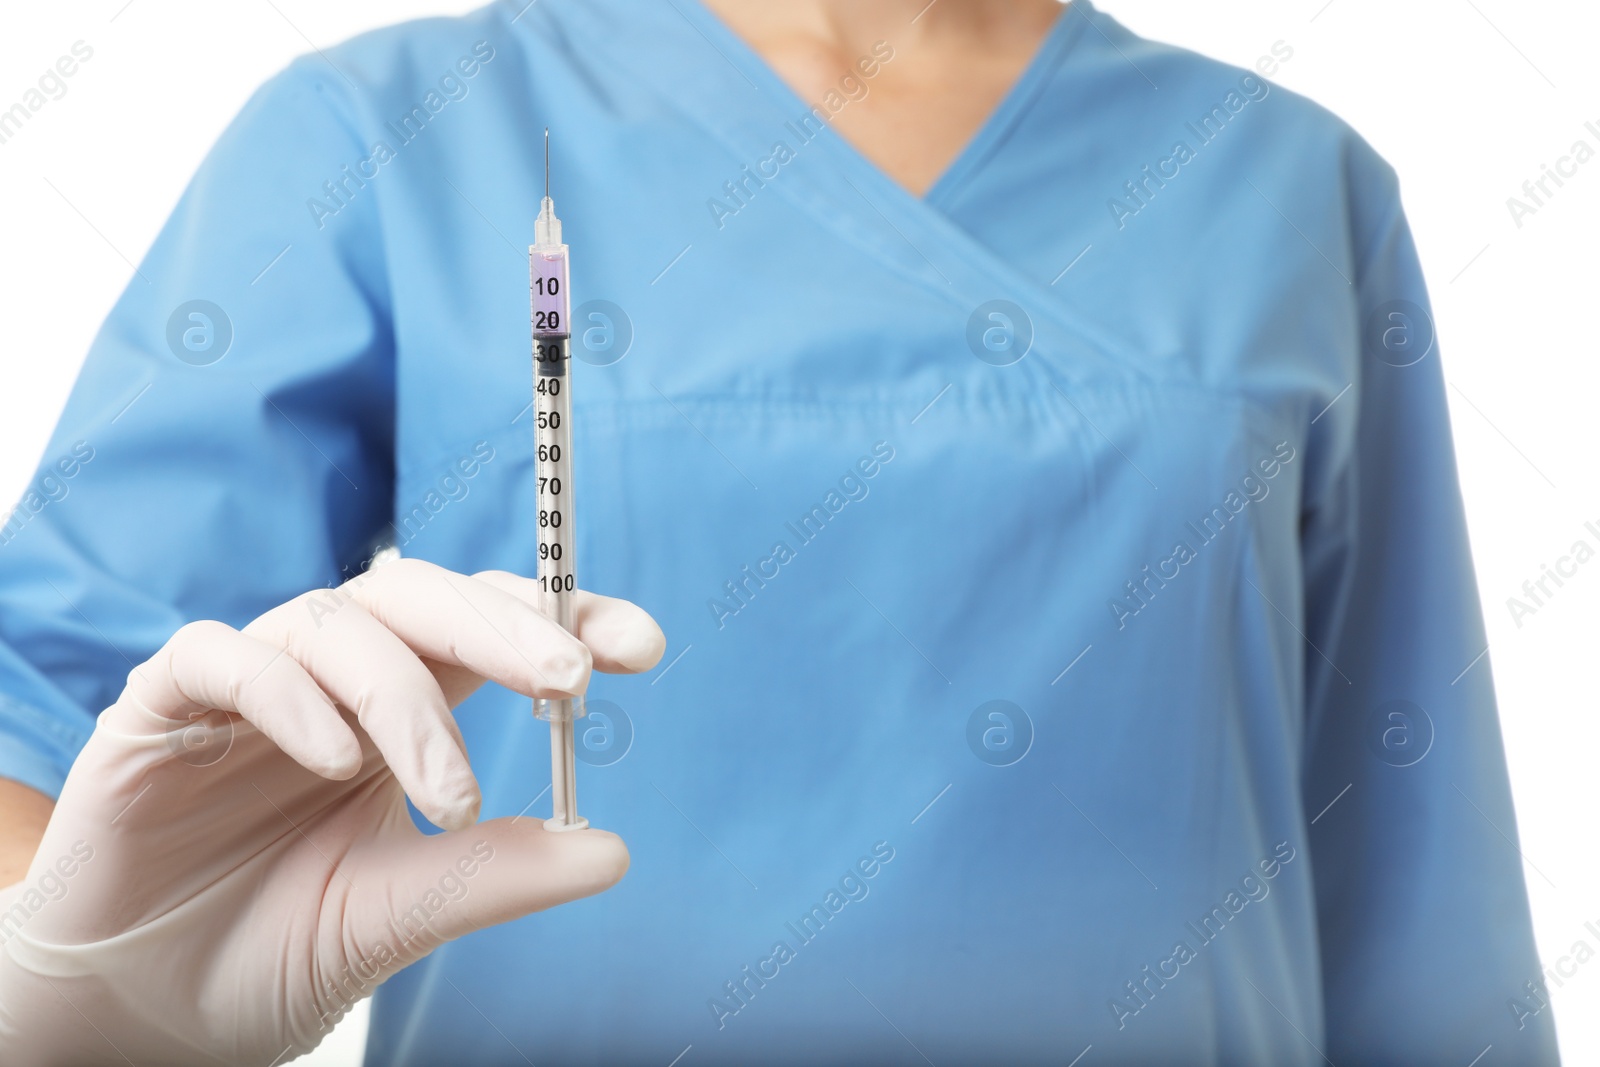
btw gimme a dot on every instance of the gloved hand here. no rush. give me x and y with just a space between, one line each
189 909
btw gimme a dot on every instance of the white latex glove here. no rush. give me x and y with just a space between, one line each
189 909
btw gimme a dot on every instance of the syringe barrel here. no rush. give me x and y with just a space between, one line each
552 388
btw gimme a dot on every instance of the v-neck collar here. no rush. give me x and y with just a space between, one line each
990 134
741 103
1047 58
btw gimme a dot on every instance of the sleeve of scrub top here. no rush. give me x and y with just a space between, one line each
1422 907
180 485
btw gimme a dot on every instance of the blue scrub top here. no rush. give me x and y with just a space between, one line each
1073 641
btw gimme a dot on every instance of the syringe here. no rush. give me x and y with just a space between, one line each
552 395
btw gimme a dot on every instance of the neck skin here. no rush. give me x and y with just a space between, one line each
852 26
949 65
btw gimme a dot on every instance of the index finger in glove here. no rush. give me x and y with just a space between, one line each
621 635
454 619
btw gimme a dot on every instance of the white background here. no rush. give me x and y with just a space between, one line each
1466 98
